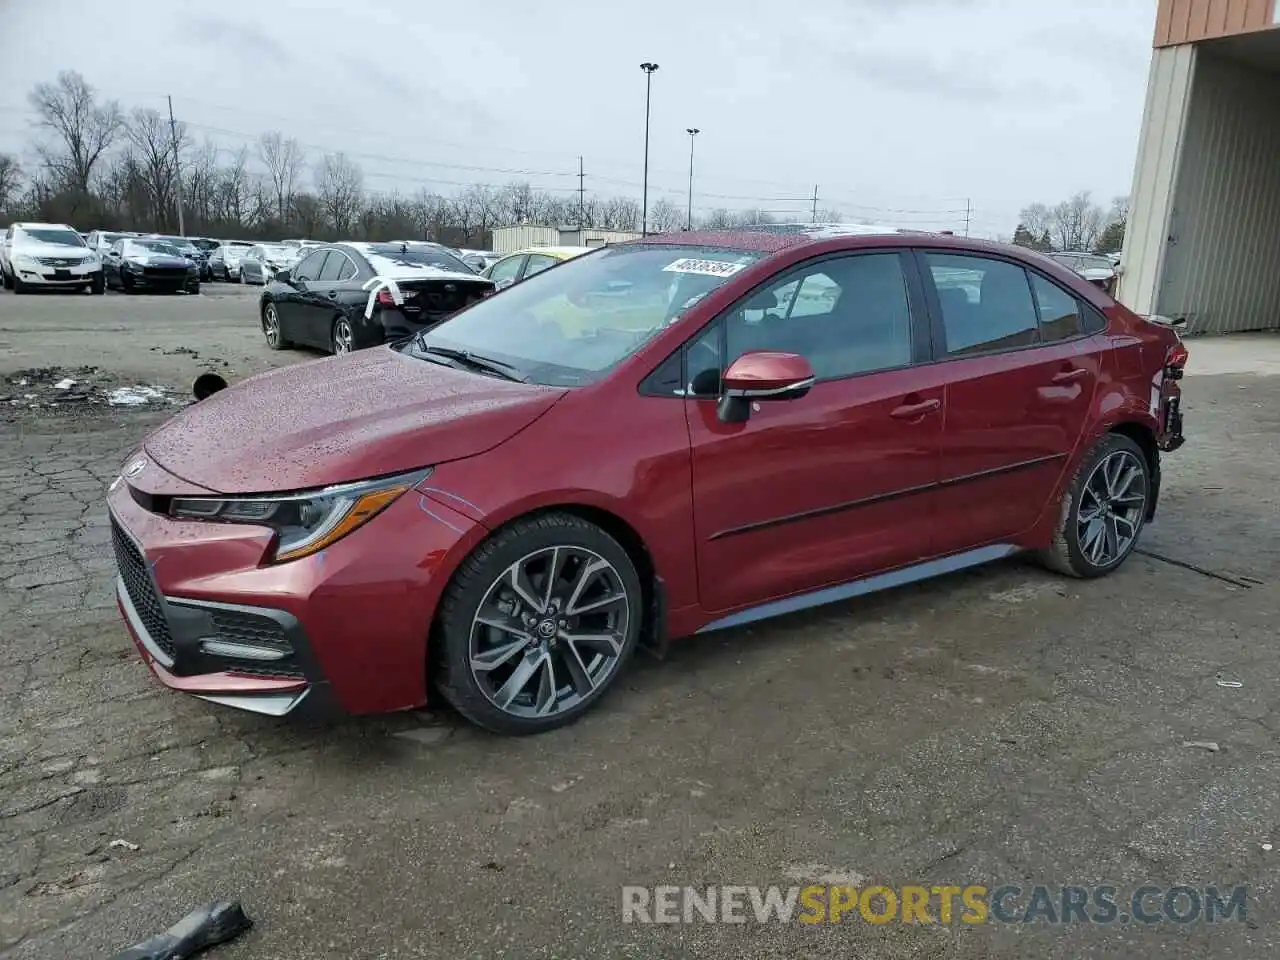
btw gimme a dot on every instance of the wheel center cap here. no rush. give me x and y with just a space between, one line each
547 629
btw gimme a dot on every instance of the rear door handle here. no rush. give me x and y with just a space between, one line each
915 409
1071 375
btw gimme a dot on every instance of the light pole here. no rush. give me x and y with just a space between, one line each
688 217
649 70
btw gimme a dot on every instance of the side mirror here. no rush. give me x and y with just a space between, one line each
282 276
762 376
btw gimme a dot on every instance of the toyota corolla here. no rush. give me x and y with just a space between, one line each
661 438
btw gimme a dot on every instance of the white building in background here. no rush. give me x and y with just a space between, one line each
521 236
1203 237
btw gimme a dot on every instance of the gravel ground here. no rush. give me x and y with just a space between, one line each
999 726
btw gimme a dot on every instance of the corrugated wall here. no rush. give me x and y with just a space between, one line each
1222 264
1159 145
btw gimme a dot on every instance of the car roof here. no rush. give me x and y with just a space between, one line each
560 253
774 238
34 225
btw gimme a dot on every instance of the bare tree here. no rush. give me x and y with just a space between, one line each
1077 222
83 129
153 146
719 219
619 213
340 191
10 180
665 216
285 160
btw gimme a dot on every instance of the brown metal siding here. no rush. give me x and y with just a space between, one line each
1186 21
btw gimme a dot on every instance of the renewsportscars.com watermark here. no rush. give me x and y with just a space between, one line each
972 904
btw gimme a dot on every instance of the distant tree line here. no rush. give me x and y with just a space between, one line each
100 166
1074 224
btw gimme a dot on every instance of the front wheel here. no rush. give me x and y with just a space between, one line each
537 624
19 286
1103 511
99 286
271 327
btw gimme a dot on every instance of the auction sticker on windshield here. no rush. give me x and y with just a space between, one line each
707 268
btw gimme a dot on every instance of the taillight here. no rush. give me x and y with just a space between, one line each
384 299
1176 361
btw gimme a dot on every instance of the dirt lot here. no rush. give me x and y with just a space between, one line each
1001 726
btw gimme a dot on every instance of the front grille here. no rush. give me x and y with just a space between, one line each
58 262
141 589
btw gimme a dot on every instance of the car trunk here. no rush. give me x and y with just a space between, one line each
433 300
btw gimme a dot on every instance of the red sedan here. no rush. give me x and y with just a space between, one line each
661 438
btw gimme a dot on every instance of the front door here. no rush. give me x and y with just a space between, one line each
838 484
294 308
1020 378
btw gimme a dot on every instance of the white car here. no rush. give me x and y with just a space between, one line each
1095 267
49 255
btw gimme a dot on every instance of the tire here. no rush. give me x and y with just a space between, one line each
580 548
1113 486
240 279
271 320
342 337
19 287
98 287
7 280
193 288
126 285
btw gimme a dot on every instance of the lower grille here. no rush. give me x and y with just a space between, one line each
237 626
164 273
141 589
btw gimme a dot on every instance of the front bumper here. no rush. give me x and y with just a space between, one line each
48 276
346 628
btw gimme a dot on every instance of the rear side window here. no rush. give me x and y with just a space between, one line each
335 267
986 304
1059 310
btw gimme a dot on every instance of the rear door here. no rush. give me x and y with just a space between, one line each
838 484
1020 376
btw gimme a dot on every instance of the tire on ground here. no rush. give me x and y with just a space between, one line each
451 639
1066 556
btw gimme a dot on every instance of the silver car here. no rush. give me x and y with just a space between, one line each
263 261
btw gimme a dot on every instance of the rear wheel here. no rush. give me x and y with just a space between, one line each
343 340
1103 511
537 624
271 327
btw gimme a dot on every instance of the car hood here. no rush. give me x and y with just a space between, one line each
61 250
372 413
157 260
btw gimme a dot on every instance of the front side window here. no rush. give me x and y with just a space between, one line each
505 270
846 315
570 325
986 304
309 268
1059 311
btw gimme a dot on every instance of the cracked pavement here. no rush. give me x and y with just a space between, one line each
1002 725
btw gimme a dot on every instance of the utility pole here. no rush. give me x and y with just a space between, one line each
649 70
968 215
815 203
177 169
688 217
582 196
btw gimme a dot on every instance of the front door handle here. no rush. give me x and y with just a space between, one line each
1070 375
913 409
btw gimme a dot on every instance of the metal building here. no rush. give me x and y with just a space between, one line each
518 237
1203 237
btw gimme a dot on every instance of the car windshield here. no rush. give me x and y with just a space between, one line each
569 325
62 238
396 259
205 244
151 246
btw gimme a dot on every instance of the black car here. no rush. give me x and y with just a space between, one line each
346 296
142 263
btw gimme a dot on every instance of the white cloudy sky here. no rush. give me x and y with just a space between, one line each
899 110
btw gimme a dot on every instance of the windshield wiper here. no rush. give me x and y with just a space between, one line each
475 361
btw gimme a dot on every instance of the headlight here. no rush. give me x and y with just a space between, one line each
305 523
22 260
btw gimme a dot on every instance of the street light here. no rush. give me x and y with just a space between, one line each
688 219
649 70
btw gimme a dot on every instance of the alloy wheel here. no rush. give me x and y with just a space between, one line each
1113 502
271 325
342 338
549 632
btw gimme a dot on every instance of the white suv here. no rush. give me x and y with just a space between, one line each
48 255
